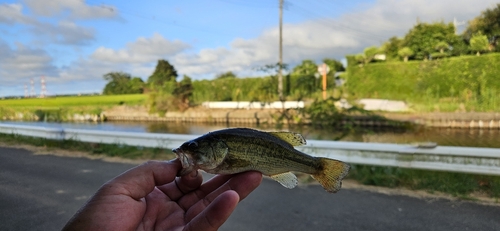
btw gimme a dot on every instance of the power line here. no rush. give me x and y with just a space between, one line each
329 23
152 18
248 4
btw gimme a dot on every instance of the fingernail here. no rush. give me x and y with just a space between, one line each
193 173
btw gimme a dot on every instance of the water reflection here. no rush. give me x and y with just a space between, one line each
444 137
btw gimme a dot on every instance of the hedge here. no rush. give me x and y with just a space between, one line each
470 80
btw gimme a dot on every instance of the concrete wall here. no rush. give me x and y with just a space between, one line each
253 105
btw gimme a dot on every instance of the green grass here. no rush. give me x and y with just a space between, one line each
457 184
466 83
75 101
111 150
63 108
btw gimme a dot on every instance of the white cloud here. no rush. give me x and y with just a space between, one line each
143 50
308 40
12 13
65 32
333 38
22 63
77 8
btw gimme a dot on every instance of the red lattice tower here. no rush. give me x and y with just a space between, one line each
43 92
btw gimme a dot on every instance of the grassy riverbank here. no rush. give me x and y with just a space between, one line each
65 108
110 150
465 186
75 101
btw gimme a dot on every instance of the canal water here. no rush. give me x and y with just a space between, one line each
443 137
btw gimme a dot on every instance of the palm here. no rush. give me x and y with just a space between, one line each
122 204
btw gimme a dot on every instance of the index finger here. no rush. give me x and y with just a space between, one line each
141 180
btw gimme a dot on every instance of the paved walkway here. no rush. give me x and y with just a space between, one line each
41 192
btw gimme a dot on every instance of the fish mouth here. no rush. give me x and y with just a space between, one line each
185 159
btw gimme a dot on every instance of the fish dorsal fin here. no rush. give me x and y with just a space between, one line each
295 139
287 179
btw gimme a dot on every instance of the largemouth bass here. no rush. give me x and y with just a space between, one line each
237 150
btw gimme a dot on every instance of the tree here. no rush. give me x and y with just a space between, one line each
370 53
423 37
303 76
488 23
405 53
226 75
360 58
441 46
136 85
334 65
183 93
461 47
479 43
274 70
307 67
391 47
164 73
118 83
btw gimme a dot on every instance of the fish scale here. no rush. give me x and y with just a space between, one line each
273 160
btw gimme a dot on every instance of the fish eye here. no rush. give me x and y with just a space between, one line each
193 144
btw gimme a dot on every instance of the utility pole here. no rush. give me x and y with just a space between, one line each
280 75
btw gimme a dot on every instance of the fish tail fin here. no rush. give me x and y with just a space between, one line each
331 174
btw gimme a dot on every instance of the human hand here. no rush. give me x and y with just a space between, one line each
150 197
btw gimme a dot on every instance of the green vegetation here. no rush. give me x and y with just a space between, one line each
63 108
479 43
456 184
405 53
300 84
424 39
466 83
120 83
165 93
75 101
111 150
488 24
442 75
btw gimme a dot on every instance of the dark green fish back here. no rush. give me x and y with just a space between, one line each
255 150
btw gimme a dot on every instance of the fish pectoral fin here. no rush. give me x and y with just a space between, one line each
295 139
287 179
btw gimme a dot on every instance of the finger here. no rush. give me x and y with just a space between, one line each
216 213
141 180
242 183
182 185
212 184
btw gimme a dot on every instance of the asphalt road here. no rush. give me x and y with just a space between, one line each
41 192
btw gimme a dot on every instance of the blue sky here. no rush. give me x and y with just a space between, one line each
73 43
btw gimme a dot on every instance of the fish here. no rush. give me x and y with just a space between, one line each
235 150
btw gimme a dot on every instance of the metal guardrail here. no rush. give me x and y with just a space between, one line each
442 158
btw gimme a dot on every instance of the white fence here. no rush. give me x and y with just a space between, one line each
443 158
